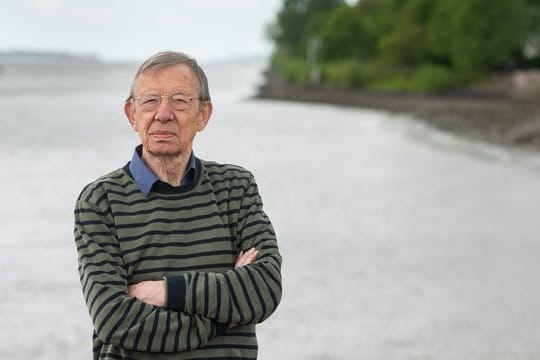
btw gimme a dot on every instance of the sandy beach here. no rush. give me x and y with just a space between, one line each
493 112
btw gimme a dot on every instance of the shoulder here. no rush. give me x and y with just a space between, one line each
220 172
97 189
234 178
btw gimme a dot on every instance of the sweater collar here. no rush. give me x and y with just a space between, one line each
146 179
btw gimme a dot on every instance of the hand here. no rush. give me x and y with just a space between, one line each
150 292
153 291
246 258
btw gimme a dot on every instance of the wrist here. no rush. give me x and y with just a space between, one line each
175 293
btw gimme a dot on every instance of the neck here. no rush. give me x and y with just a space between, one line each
169 169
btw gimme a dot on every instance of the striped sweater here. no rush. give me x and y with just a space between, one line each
191 237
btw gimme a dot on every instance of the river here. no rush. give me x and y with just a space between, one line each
399 241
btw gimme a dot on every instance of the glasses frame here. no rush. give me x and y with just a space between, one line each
168 96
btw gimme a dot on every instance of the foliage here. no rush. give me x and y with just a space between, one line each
349 74
405 44
427 78
345 36
469 41
415 45
295 70
297 21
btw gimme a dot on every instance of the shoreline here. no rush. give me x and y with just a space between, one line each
494 114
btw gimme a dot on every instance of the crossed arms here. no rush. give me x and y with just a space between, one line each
142 317
154 292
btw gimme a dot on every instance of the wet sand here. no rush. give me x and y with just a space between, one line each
492 112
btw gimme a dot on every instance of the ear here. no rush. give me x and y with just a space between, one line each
129 110
204 116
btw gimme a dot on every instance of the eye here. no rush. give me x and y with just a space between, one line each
179 99
150 101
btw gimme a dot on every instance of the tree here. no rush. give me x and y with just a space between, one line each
476 35
403 47
297 21
406 44
345 36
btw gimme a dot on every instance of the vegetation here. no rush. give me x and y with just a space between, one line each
414 45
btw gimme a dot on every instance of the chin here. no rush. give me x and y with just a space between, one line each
163 150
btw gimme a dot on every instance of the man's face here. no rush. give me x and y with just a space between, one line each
165 131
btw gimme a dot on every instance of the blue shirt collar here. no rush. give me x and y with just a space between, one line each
146 179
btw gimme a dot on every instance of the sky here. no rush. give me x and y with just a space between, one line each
132 30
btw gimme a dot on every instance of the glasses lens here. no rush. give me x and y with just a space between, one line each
150 103
179 101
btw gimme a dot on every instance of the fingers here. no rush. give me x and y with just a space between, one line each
246 258
250 255
136 290
150 292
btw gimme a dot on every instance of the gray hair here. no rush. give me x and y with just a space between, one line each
169 58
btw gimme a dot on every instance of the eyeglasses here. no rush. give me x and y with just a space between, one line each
177 101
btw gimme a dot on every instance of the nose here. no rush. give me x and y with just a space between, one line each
164 112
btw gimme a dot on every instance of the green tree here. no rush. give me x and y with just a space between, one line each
417 45
380 16
476 35
406 44
297 21
346 36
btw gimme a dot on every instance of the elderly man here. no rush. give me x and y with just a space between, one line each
177 258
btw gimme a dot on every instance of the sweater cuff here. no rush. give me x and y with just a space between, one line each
176 293
221 329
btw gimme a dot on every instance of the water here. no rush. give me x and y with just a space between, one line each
399 242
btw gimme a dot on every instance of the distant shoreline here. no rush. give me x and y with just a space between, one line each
31 56
492 114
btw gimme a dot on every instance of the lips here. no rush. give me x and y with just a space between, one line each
162 134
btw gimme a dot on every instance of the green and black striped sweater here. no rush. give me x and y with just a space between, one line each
190 236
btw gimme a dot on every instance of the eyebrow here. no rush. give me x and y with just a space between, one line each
156 93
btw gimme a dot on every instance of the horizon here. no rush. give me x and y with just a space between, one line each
35 55
128 31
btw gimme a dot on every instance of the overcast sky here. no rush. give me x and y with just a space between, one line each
134 29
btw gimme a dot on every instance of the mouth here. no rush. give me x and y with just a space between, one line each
162 135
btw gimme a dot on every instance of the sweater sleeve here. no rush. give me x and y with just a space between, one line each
246 295
118 318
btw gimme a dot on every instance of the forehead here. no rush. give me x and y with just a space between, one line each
177 77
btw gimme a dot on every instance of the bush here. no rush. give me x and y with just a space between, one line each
437 78
427 78
353 74
292 69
